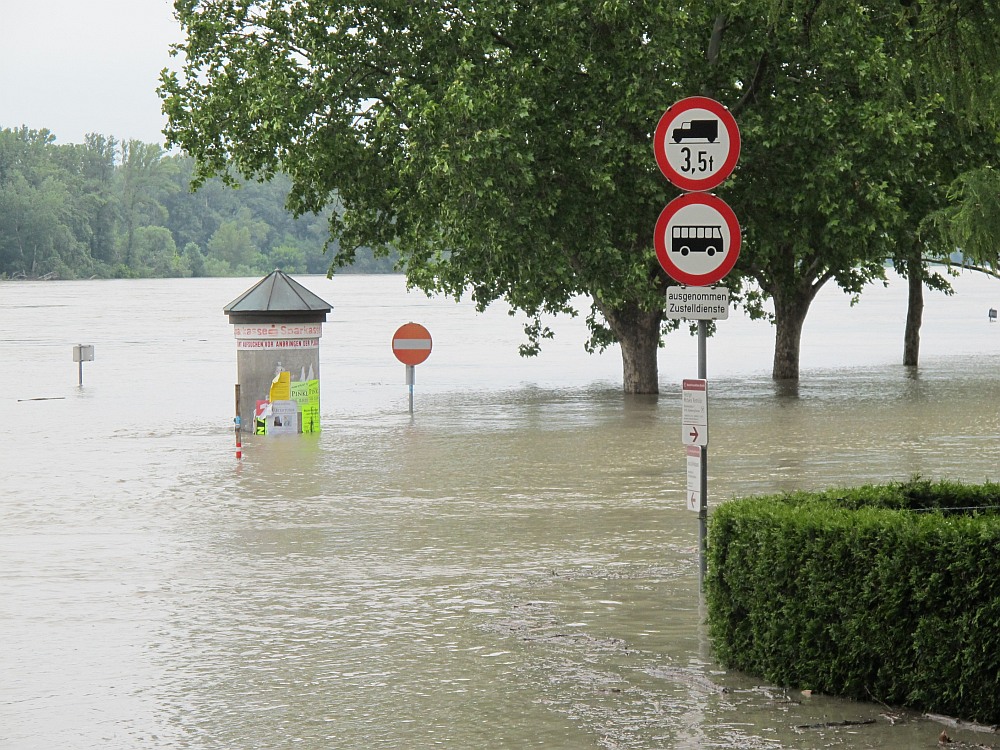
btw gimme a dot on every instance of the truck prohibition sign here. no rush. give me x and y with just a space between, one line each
697 143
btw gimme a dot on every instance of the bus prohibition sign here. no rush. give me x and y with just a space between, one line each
697 239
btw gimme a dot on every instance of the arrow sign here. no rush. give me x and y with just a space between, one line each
694 412
694 477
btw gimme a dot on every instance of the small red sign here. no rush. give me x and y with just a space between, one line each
411 344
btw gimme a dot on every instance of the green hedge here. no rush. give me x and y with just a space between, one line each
888 593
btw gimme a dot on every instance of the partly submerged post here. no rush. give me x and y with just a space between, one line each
411 343
278 324
82 353
237 421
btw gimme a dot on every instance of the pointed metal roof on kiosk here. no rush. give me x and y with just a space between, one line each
277 297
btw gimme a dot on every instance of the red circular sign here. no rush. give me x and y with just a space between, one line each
411 343
697 143
697 239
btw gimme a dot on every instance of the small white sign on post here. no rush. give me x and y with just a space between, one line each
694 412
82 353
694 477
698 303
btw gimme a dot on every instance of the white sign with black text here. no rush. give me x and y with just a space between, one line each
694 411
697 303
694 477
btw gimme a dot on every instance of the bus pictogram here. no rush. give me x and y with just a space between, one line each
697 239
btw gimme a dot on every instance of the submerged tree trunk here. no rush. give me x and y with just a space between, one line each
790 310
914 308
638 332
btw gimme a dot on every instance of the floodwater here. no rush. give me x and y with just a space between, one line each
512 566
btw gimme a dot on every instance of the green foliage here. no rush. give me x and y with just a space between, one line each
889 593
961 55
122 210
504 148
970 222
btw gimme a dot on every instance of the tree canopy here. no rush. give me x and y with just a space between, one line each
849 149
504 148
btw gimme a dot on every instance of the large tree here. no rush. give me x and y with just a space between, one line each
863 132
818 187
504 148
955 201
927 233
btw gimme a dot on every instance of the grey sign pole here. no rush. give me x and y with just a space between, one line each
82 353
411 371
693 117
703 489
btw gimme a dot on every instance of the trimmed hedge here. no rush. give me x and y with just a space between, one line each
888 593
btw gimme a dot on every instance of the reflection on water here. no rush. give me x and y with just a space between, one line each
512 566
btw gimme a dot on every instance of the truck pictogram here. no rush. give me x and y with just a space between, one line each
697 130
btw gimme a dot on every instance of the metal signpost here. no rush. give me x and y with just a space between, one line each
411 343
82 353
694 434
697 240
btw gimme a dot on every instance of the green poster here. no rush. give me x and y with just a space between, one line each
306 395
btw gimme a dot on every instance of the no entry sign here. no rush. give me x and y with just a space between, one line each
411 343
697 239
697 143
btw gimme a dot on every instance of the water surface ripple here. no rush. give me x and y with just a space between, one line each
511 566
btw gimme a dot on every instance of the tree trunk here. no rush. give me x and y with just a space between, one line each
639 368
789 315
914 309
638 332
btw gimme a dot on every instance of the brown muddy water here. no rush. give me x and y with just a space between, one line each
511 566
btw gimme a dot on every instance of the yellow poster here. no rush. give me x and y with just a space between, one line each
281 387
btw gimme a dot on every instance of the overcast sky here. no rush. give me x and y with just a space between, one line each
85 66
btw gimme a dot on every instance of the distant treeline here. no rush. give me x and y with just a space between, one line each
124 209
